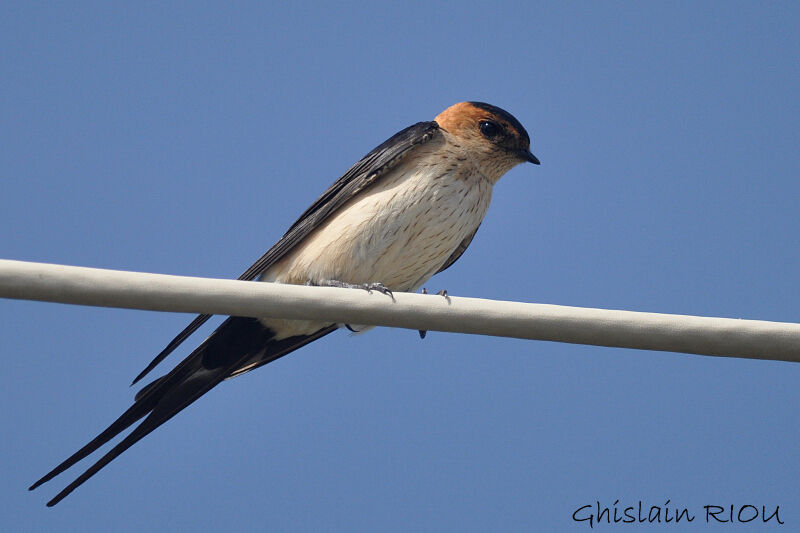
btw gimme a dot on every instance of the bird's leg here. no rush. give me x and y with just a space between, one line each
369 287
423 332
442 292
380 287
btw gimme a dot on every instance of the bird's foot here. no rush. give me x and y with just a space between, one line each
369 287
380 287
442 292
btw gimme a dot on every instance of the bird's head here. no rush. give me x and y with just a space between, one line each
492 137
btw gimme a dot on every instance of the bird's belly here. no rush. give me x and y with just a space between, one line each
398 233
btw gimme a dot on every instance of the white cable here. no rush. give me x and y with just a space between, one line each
625 329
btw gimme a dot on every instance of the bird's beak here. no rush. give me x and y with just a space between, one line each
528 156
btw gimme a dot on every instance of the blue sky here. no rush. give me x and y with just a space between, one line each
185 139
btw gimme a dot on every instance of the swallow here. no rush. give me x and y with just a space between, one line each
404 212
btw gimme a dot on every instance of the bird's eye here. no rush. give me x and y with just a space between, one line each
490 129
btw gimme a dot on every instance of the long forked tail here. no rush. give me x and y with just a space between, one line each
237 344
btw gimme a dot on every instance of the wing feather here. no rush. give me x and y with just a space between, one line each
458 252
360 176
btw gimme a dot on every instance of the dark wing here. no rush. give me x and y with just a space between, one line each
236 342
458 251
360 176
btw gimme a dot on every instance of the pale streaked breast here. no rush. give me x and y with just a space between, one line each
398 232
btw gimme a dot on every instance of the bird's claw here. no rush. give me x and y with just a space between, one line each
380 287
443 292
369 287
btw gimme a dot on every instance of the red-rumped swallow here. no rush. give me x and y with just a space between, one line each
403 213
